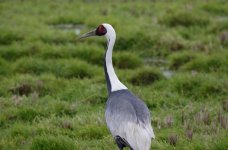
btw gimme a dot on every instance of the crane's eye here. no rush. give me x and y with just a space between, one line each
101 30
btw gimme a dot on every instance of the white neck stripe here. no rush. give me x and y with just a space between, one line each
114 81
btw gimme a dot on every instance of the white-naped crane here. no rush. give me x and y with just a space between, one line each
127 117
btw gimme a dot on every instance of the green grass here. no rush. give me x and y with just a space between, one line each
184 18
146 76
53 91
52 142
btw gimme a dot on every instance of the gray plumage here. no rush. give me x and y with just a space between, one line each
123 112
127 107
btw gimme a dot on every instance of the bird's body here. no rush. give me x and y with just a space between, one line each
127 117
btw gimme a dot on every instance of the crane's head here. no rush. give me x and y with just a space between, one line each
102 30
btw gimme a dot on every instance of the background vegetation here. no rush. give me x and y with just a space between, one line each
172 54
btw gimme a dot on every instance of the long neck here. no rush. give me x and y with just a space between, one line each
113 83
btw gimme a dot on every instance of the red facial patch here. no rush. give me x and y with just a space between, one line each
101 30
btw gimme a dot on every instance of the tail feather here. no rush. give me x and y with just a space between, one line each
139 136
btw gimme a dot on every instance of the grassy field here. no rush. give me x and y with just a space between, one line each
172 54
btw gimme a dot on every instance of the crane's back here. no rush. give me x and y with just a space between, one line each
128 117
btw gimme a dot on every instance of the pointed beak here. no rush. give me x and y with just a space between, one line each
91 33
